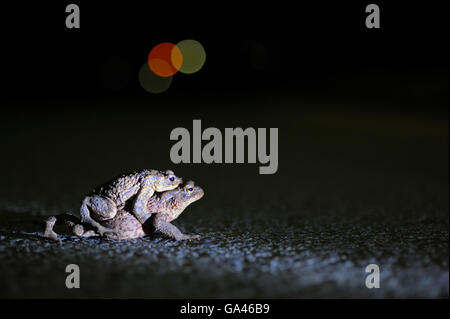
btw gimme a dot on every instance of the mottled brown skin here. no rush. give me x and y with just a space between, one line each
105 201
164 207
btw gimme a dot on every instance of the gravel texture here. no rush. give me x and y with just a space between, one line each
351 190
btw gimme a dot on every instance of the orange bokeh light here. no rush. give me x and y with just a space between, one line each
165 59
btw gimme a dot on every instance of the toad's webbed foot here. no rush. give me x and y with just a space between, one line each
80 231
78 228
193 236
69 220
104 230
49 233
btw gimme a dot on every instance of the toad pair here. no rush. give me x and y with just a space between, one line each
122 207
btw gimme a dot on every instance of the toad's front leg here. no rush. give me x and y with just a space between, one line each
140 209
160 223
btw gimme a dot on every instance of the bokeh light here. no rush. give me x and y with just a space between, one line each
194 56
165 59
151 82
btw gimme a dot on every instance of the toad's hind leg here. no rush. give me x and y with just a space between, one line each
68 220
102 208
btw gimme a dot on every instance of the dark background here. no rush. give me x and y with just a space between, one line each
363 147
312 50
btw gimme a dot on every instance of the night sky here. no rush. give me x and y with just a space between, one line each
266 49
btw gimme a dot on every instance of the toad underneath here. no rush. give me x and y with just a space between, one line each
163 207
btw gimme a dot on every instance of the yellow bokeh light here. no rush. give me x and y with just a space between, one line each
194 56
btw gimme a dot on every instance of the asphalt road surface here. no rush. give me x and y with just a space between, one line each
353 188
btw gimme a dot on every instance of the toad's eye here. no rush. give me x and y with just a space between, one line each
190 190
171 179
